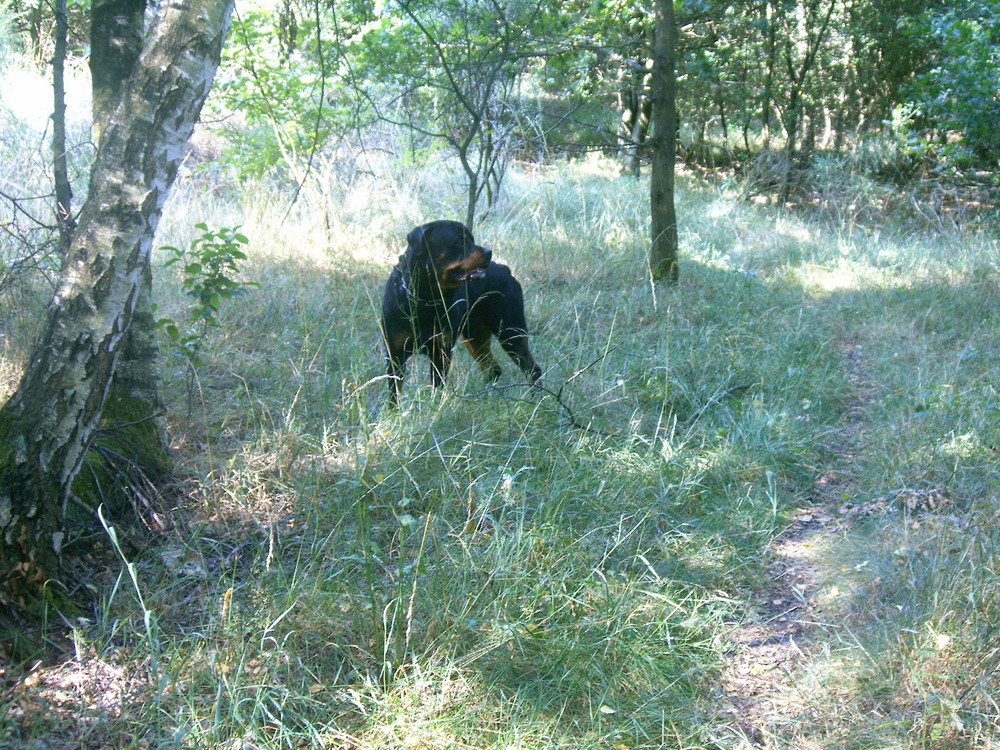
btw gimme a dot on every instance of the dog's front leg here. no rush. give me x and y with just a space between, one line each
398 349
395 369
479 348
440 354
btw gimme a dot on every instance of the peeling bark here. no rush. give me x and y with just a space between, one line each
48 425
132 437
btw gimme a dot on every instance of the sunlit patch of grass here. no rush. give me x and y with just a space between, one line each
907 593
484 546
533 568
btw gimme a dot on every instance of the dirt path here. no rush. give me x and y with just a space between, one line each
769 652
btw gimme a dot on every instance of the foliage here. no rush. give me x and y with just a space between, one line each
29 26
8 39
304 79
466 79
453 70
955 105
208 265
279 94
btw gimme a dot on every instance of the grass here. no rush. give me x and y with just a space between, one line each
504 570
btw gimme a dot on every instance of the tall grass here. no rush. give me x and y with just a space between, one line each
502 568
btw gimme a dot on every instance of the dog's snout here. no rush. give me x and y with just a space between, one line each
487 254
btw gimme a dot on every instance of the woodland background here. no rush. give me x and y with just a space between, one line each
755 507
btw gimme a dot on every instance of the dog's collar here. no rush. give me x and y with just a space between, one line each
421 302
412 295
412 290
402 282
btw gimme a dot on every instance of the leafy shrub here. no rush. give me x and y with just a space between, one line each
207 265
954 106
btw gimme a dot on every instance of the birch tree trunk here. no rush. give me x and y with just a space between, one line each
132 444
48 425
116 36
663 250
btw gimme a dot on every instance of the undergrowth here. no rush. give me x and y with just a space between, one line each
555 567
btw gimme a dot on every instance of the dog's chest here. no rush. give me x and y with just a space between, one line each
435 319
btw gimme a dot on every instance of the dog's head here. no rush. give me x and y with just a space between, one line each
444 253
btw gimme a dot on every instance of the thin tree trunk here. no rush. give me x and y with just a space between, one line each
60 173
634 125
797 78
49 423
720 102
663 250
640 129
770 63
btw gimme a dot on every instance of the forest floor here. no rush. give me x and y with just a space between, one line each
726 557
771 653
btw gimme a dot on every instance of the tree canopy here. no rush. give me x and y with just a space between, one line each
488 81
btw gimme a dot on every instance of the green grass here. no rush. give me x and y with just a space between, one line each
504 570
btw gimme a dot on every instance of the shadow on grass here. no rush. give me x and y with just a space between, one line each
581 581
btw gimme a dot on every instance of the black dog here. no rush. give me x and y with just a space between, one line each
446 285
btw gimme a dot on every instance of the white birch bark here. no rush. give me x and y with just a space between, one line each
49 422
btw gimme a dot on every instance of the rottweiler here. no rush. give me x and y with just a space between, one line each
446 285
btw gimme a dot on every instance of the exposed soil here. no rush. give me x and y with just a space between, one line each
770 649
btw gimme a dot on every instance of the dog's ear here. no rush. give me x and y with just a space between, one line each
415 242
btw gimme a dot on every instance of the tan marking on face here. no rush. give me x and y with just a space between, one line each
448 271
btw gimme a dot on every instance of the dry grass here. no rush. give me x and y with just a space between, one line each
805 428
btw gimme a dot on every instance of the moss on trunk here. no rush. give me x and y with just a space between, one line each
127 459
